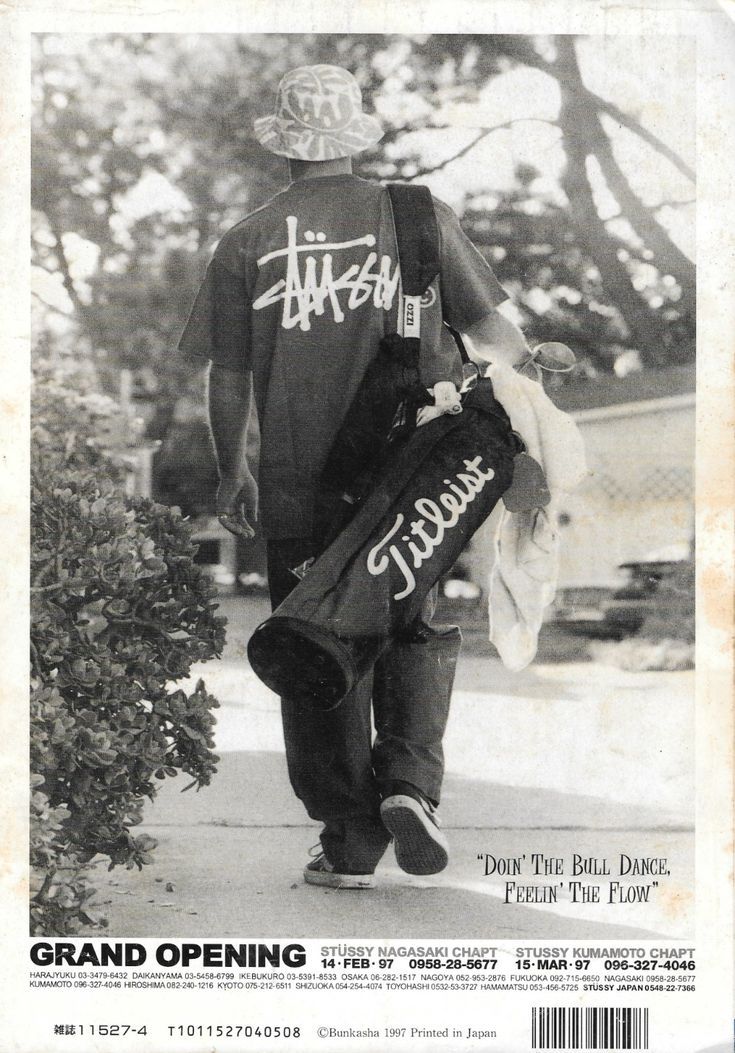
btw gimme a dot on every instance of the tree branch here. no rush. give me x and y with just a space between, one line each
482 134
643 133
580 125
521 51
585 135
65 269
46 304
672 204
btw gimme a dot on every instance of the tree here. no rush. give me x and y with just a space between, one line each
663 334
144 155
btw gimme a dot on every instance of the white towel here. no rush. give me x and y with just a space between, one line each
550 435
526 568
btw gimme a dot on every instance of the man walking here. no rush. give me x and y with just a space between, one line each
293 308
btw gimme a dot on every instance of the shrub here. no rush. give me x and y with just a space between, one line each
119 612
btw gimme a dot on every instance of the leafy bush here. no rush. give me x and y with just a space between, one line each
119 612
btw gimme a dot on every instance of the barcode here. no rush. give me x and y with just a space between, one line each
599 1027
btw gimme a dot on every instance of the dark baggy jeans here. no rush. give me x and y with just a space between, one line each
335 767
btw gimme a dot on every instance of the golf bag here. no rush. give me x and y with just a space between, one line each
397 505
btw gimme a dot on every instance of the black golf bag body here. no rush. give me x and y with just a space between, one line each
397 504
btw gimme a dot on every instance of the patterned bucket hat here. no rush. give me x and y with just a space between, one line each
318 116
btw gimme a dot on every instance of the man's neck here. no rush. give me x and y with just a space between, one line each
299 170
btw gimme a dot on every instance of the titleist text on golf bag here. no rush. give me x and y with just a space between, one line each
372 581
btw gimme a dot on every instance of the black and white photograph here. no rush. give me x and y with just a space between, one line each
366 519
233 190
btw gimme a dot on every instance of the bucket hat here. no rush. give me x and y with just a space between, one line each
318 116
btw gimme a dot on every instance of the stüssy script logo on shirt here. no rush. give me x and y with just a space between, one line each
316 275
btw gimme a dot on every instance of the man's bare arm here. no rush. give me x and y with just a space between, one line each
229 400
496 339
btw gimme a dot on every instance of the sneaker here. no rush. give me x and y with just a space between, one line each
420 846
321 872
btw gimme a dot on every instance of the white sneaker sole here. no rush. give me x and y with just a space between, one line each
333 880
420 847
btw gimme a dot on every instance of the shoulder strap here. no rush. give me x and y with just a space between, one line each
417 238
417 235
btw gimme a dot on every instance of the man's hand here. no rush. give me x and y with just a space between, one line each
237 502
229 411
446 400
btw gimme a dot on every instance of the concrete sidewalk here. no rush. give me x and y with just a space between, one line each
519 749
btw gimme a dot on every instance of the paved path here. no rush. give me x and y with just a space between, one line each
519 748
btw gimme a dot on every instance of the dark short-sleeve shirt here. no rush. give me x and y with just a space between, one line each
301 293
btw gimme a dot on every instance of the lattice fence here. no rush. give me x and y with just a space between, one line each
642 483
